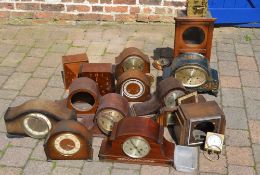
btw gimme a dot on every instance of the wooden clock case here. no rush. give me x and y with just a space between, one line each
193 34
161 152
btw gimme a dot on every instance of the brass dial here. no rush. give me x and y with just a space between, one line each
191 76
67 144
170 98
133 63
136 147
36 125
106 119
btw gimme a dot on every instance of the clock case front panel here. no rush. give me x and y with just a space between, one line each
161 152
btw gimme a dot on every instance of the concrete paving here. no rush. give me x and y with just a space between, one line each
30 65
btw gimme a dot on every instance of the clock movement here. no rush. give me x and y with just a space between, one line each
137 140
191 123
35 118
193 34
197 8
68 140
194 72
213 145
71 66
134 85
102 74
131 59
112 108
83 96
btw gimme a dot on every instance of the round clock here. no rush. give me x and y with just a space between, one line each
133 63
36 125
214 140
136 147
112 108
68 140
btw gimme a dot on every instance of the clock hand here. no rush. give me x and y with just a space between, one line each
135 146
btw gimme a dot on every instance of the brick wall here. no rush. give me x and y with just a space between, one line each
92 10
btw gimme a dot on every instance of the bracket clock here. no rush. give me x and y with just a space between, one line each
68 140
71 66
35 118
137 140
193 34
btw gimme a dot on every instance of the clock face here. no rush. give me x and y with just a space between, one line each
136 147
170 98
67 144
191 76
133 63
133 88
36 125
106 119
214 141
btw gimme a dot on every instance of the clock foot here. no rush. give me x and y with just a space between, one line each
14 136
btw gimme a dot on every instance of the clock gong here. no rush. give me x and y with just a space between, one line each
71 66
134 85
131 59
112 108
35 118
83 96
137 140
68 140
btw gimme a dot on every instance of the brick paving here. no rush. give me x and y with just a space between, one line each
30 65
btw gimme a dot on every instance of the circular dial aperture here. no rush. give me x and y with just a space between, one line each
36 125
133 88
170 98
106 119
133 63
191 76
214 141
67 144
136 147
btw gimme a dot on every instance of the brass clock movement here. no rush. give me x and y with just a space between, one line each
197 8
213 145
112 108
194 72
35 118
137 140
68 140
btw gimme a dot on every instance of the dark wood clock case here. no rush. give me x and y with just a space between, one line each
161 152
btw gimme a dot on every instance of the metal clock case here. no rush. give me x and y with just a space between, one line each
71 66
134 85
193 121
35 118
131 59
194 72
166 94
193 34
68 140
197 8
112 108
102 74
137 140
83 96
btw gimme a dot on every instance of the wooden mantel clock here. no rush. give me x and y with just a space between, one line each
137 140
193 34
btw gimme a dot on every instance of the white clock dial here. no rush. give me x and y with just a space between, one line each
132 88
136 147
106 119
170 98
214 141
133 63
36 125
67 144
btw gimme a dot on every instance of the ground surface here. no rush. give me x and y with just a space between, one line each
30 65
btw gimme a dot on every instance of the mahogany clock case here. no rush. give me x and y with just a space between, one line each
75 129
127 53
161 151
71 66
51 111
193 34
193 121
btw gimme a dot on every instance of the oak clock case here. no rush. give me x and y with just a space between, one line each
68 140
131 59
191 124
194 72
71 66
35 118
134 85
193 34
137 140
112 108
